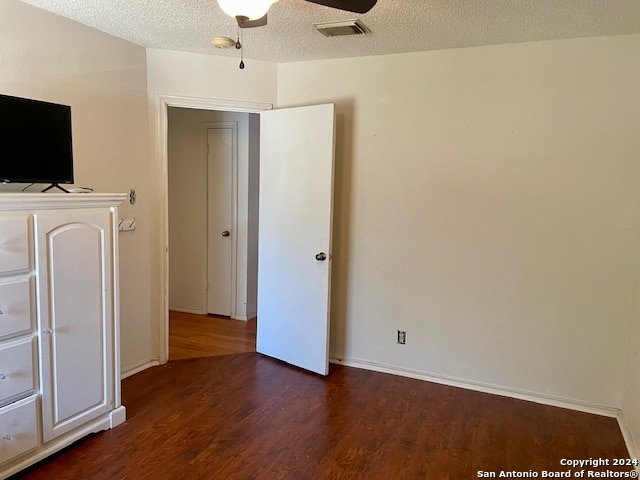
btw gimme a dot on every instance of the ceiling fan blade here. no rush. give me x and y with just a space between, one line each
357 6
258 22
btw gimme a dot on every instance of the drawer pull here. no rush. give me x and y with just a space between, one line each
7 437
3 376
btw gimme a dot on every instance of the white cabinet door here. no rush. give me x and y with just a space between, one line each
74 282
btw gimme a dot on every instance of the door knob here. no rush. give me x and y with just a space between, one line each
225 233
321 257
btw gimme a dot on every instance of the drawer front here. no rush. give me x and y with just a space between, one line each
14 243
16 306
17 374
18 430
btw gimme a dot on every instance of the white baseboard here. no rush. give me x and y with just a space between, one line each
187 310
245 318
481 387
139 368
629 440
117 416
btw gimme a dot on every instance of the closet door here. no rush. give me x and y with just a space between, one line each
75 277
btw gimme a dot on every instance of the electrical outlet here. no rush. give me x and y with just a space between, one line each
402 337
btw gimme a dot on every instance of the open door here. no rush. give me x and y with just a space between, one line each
294 252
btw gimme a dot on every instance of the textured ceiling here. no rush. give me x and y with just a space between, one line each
397 25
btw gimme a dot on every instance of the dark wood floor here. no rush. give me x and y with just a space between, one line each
192 336
246 416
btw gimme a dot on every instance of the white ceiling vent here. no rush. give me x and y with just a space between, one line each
348 27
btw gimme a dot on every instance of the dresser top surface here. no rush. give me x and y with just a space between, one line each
52 201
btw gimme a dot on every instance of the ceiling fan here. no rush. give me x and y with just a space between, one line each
253 13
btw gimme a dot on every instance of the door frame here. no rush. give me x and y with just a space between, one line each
161 166
233 293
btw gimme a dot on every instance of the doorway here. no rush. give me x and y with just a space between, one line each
213 158
292 139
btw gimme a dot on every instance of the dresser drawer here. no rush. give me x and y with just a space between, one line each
16 306
14 243
18 430
17 374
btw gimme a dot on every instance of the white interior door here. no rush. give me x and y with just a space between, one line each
220 158
294 258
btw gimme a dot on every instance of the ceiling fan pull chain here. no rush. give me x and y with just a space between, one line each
239 47
241 51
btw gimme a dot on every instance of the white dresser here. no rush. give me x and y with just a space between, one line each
59 336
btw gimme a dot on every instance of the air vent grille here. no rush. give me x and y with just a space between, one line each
348 27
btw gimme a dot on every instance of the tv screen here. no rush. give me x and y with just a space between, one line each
35 141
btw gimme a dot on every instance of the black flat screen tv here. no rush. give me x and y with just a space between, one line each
35 142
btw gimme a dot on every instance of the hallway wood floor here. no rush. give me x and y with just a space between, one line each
246 416
192 336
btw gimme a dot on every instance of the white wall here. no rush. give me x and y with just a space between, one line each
486 203
486 198
103 78
188 207
208 76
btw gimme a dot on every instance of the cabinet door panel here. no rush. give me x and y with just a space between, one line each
75 326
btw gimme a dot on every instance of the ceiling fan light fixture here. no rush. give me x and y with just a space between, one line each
223 42
251 9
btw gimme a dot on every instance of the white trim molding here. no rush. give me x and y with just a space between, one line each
481 387
629 440
163 102
117 416
214 104
57 201
139 368
194 311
